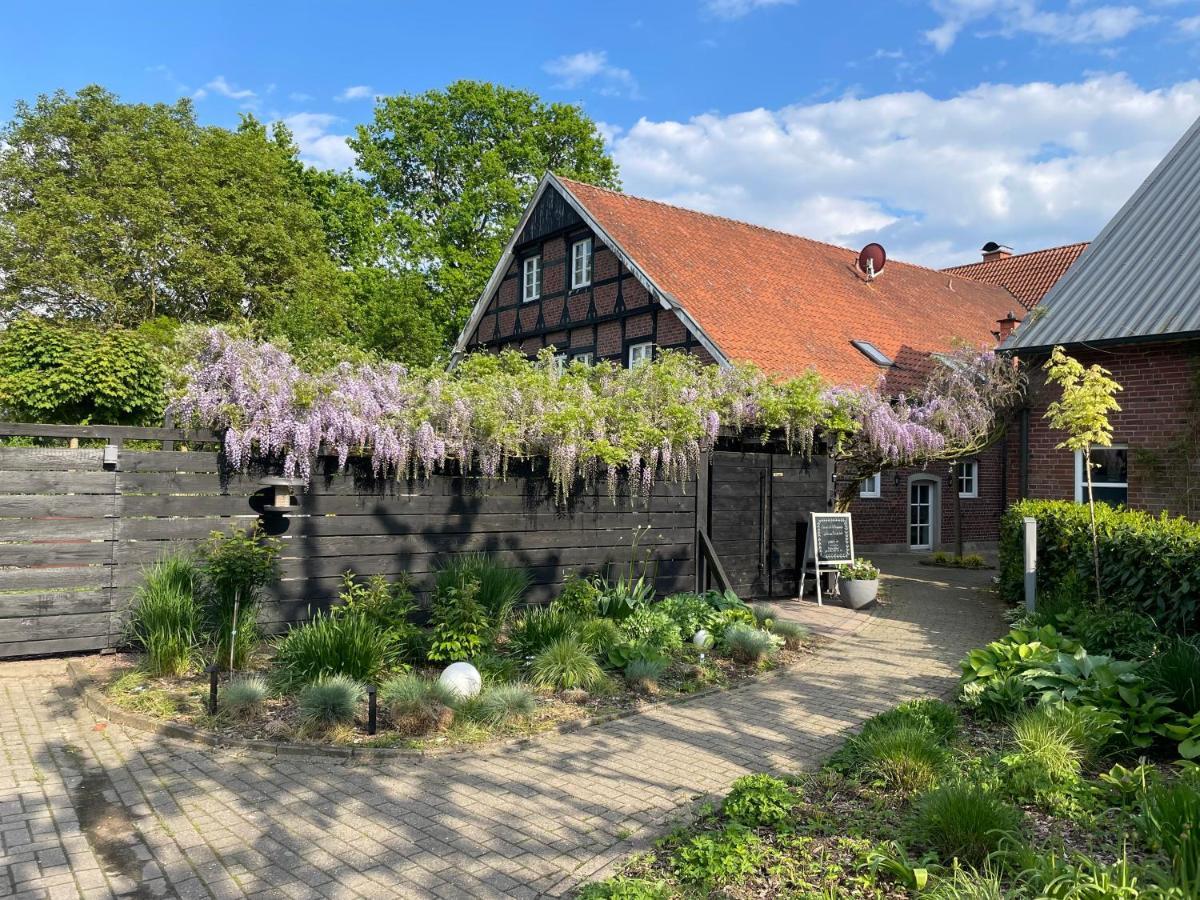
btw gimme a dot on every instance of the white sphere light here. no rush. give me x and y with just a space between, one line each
702 639
462 678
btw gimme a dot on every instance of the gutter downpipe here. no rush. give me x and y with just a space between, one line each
1024 469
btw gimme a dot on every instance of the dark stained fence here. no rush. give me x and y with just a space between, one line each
75 536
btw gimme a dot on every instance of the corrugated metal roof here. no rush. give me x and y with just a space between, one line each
1141 277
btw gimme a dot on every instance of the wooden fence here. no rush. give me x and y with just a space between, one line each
76 533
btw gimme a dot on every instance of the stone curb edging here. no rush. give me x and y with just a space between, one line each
84 685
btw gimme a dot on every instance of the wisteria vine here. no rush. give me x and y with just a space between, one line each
592 422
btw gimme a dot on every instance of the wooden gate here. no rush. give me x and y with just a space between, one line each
756 501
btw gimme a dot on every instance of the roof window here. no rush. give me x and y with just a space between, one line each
871 352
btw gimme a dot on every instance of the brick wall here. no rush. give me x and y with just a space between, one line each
1158 407
883 521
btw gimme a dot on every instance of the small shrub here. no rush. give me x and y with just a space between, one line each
747 644
461 625
712 859
623 654
417 705
1175 672
165 621
234 568
536 629
332 645
1170 822
903 758
500 588
565 665
859 570
494 668
964 822
690 612
626 889
794 634
329 701
644 673
1048 757
503 703
649 626
386 605
578 598
759 801
599 636
1108 629
244 695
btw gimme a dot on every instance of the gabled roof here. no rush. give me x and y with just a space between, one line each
1140 279
1027 276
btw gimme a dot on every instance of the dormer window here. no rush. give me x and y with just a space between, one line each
533 279
581 263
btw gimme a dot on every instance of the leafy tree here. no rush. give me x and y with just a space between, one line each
456 167
389 316
1088 396
117 213
71 374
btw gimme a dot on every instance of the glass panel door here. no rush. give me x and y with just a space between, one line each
920 515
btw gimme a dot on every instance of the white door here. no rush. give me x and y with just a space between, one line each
920 515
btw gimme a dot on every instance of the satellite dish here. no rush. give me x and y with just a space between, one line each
871 259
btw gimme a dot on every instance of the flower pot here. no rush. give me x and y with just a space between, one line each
857 593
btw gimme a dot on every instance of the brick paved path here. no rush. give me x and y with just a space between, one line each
88 809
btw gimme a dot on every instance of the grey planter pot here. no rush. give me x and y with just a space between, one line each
856 593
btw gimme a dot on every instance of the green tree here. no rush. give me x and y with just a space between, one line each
74 374
456 167
1088 396
117 213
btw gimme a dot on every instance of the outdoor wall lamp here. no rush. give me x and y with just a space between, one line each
283 493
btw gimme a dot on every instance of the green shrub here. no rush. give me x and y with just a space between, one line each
578 598
749 645
500 588
620 656
332 645
461 625
759 801
234 568
493 667
599 636
964 822
536 629
626 889
716 858
386 605
244 695
939 719
565 665
1175 672
903 758
1170 822
993 681
649 626
644 672
1107 630
1150 564
417 705
331 700
503 703
794 634
690 612
1048 757
165 619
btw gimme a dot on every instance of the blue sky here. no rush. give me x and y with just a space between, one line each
932 125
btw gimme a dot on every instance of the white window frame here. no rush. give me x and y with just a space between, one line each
971 466
560 363
586 357
581 263
1081 483
533 266
643 351
869 487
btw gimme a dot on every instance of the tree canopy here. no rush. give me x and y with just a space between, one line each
456 168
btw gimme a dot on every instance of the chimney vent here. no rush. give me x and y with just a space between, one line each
1007 326
993 251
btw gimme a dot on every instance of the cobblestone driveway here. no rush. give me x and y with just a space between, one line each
95 810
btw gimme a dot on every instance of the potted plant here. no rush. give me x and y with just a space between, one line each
858 583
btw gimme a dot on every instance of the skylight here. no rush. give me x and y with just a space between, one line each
871 352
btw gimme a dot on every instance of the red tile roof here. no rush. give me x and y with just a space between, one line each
1027 275
791 304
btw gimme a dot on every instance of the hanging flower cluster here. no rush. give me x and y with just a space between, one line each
592 422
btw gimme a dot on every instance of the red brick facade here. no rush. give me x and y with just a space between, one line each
1159 410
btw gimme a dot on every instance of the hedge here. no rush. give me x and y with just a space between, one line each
1149 563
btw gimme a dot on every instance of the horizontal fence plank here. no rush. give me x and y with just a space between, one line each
50 459
106 432
53 577
57 529
40 628
33 506
318 526
183 461
55 646
56 553
166 506
194 529
54 603
42 482
186 483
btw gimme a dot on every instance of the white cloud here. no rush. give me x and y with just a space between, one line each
319 145
735 9
592 67
1031 165
354 92
224 88
1190 25
299 97
1076 25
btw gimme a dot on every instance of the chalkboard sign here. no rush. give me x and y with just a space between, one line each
833 539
